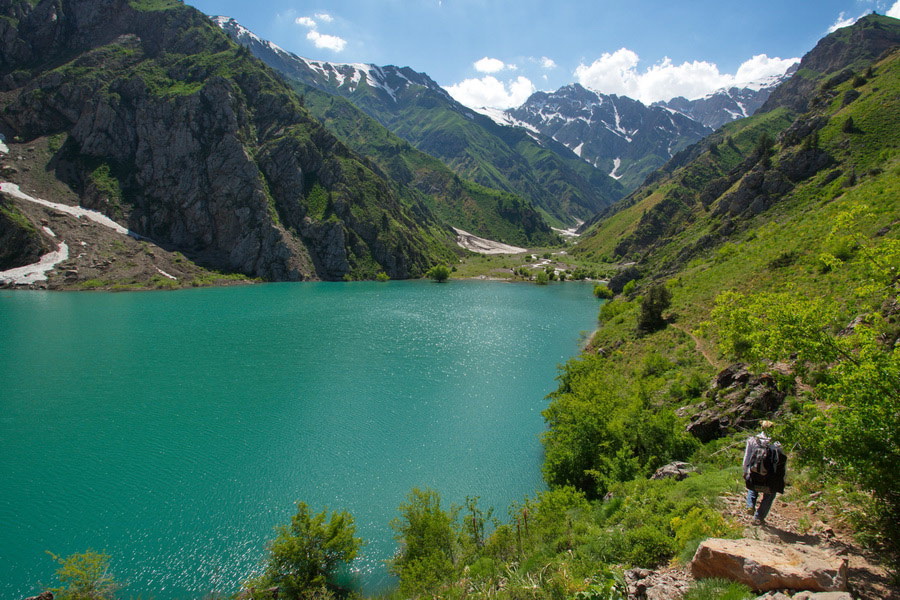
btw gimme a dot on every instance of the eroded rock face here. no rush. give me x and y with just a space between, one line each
736 399
20 242
764 566
194 145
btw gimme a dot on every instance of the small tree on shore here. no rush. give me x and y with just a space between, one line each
304 556
439 273
85 576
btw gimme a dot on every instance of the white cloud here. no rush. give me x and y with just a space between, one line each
489 65
329 42
324 17
618 73
844 21
760 67
894 11
305 22
491 92
549 63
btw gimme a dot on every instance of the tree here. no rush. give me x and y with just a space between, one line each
85 576
439 273
654 303
304 556
542 278
427 538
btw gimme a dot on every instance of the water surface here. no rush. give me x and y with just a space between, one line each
175 430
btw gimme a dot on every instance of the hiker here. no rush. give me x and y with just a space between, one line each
764 468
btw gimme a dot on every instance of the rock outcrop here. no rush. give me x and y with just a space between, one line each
736 399
674 470
180 133
20 242
764 566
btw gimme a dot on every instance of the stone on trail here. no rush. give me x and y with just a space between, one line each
677 470
764 566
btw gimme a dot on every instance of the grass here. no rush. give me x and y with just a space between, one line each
718 589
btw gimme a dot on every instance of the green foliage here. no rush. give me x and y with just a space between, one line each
854 429
629 287
718 589
542 278
382 276
427 539
657 300
612 309
304 556
606 585
603 430
439 273
603 292
85 576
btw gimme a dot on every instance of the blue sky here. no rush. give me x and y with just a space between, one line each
647 49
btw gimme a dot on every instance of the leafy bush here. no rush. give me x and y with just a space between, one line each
603 292
305 555
439 273
85 576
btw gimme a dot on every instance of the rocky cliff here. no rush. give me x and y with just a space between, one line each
181 134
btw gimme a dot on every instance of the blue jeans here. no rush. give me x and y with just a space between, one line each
764 505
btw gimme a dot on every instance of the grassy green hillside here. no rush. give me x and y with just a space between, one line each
485 212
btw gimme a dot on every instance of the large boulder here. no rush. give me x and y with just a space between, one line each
765 566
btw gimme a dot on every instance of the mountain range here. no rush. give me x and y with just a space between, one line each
619 136
417 109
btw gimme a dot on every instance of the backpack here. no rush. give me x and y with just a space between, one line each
763 467
762 461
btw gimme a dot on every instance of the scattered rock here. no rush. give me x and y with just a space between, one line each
765 566
44 596
678 470
823 596
656 585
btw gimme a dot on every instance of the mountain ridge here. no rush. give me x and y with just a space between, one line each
414 107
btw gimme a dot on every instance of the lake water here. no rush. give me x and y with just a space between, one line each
175 430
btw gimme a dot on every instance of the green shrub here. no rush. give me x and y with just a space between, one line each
439 273
602 291
85 576
648 546
305 555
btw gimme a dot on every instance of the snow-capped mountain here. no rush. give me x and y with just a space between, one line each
618 135
414 107
727 104
388 81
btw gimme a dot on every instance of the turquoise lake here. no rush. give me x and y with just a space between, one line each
175 430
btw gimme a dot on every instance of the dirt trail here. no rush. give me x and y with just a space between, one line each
703 347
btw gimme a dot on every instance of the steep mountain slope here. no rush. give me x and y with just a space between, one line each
181 135
718 187
418 110
728 104
465 205
616 134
